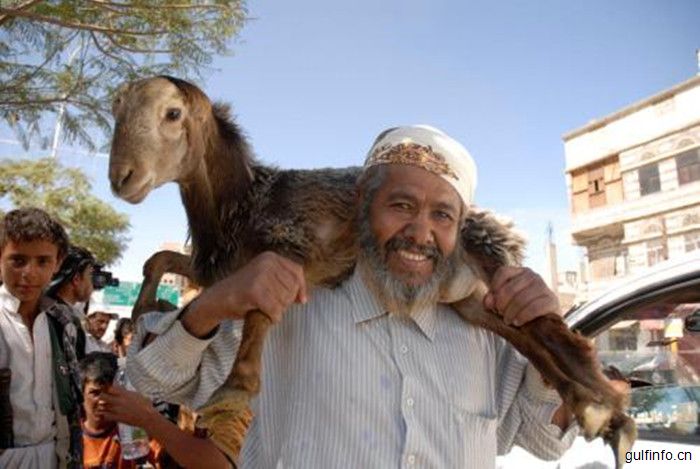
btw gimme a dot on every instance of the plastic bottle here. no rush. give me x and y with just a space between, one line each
133 440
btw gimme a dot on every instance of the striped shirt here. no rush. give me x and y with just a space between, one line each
347 385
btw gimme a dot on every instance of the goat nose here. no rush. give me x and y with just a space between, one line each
120 177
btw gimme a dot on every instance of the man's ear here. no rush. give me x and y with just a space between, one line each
359 196
59 262
76 278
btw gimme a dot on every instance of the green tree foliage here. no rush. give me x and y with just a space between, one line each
68 56
65 193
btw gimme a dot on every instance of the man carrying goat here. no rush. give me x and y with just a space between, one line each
373 373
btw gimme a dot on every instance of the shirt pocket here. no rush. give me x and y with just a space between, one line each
478 434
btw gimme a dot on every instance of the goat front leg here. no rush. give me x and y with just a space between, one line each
243 383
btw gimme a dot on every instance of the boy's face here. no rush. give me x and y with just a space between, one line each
82 284
91 396
26 267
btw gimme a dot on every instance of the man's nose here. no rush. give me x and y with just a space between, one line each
420 231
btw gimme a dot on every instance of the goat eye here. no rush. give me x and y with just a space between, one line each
172 114
116 102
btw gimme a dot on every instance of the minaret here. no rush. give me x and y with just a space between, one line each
550 252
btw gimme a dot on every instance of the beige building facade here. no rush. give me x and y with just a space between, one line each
633 181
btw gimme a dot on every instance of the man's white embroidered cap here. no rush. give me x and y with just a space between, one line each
428 148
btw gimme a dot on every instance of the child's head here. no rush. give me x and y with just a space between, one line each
32 245
73 281
123 333
98 370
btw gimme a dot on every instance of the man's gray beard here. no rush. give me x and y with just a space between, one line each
397 296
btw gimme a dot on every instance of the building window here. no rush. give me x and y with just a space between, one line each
656 251
692 242
596 187
649 181
688 166
623 339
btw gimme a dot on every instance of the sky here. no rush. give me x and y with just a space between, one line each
313 82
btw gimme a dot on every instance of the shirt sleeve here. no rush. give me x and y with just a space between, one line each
526 407
176 366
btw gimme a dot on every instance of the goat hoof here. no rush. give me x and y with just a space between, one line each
225 403
595 418
621 436
616 428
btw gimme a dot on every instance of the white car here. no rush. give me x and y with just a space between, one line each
649 329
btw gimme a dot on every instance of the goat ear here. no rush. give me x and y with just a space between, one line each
200 110
118 96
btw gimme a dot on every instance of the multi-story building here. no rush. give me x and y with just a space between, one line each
633 181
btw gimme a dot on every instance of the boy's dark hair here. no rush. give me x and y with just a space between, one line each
32 224
98 367
75 262
124 327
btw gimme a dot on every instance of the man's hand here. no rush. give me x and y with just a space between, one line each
520 295
269 283
120 405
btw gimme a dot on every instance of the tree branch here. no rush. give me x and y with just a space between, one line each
182 6
24 6
81 26
51 100
135 49
18 82
109 54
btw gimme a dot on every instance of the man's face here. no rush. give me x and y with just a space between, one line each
91 396
97 324
413 223
27 267
82 284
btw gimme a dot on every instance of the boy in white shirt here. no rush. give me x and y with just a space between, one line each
37 345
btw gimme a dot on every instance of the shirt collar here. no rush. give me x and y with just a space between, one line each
367 307
7 301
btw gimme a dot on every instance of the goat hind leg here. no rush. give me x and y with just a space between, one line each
153 270
575 357
599 409
576 396
243 382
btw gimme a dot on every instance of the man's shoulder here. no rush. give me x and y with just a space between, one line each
324 296
453 319
322 300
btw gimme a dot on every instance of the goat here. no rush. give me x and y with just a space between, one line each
168 130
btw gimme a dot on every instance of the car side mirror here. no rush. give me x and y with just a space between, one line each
692 322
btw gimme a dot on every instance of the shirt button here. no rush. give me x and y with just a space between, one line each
409 402
404 349
411 459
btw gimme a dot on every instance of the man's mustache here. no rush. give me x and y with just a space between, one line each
396 243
